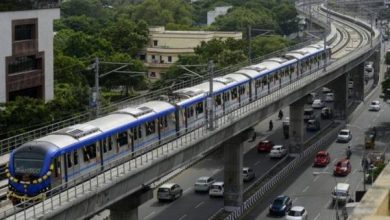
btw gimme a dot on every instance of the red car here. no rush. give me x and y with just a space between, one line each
342 168
322 159
265 146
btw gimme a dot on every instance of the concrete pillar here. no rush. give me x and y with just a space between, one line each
377 65
340 88
297 125
127 208
233 158
357 76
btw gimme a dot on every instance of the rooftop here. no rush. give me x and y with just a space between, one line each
22 5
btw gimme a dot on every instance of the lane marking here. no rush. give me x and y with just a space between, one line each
150 215
257 163
316 178
317 216
306 188
183 217
354 171
187 190
294 200
347 180
197 206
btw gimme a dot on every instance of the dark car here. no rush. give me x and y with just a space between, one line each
265 146
326 113
342 168
313 125
280 206
322 159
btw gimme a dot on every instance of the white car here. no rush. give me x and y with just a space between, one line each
344 135
297 213
278 151
318 103
329 97
326 90
375 106
216 189
203 184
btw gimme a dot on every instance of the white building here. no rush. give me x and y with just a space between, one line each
211 15
26 49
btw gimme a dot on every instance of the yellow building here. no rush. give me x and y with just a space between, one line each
165 47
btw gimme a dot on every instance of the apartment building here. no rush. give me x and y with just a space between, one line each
26 48
165 47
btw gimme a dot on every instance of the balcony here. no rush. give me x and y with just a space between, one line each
24 47
24 80
22 5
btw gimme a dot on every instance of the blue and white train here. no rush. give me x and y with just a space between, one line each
60 157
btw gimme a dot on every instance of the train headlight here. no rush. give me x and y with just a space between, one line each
44 177
39 180
35 181
49 173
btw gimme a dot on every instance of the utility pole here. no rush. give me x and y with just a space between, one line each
249 45
210 99
97 95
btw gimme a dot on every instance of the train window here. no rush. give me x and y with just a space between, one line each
258 83
57 167
199 108
75 157
109 142
69 159
150 128
89 152
225 96
122 139
234 93
241 90
218 100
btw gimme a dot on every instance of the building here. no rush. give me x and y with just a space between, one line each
211 15
26 48
165 47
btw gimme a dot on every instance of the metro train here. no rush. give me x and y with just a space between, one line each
64 155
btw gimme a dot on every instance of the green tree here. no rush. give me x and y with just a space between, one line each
127 36
69 70
263 45
80 23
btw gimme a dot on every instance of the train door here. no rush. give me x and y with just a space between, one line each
218 105
190 118
227 104
107 147
75 157
151 133
200 111
56 177
122 142
244 92
137 136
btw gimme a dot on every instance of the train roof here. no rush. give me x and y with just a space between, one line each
270 65
249 72
306 51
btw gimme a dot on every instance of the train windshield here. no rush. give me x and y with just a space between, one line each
29 163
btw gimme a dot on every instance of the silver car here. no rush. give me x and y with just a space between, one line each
169 191
247 174
203 184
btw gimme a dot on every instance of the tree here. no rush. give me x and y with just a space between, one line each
80 23
69 70
263 45
240 18
127 36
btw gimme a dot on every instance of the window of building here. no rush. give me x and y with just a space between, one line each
25 32
22 64
169 59
155 42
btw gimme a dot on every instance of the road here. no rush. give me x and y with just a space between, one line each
199 206
314 192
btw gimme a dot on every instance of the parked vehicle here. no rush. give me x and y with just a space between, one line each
321 159
308 114
264 146
375 106
326 113
297 213
344 135
313 125
341 193
248 174
203 184
169 191
280 206
342 167
278 151
318 103
329 97
216 189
